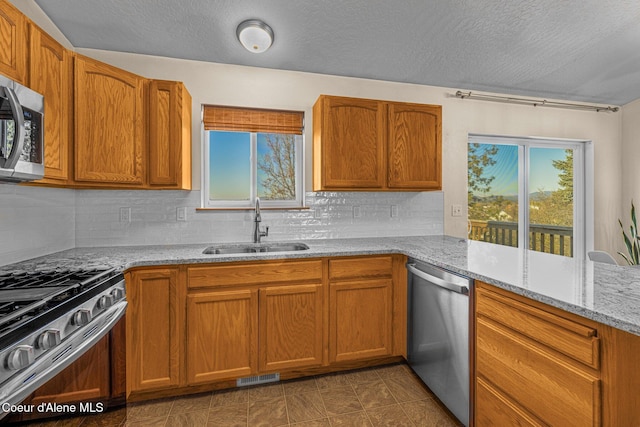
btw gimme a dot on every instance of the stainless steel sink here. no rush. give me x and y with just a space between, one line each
250 248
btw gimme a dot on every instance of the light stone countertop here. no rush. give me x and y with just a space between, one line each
604 293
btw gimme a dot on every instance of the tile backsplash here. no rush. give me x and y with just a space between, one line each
37 221
153 219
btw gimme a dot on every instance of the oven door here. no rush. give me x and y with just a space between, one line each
51 363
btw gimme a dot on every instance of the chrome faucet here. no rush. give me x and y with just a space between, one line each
257 234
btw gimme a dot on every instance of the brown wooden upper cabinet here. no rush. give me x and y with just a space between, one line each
169 135
372 145
51 74
13 42
109 124
111 130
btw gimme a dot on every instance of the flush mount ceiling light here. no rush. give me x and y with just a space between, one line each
255 35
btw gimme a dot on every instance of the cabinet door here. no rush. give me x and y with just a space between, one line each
360 320
414 146
349 147
85 379
222 335
110 126
153 334
50 75
291 326
169 135
13 42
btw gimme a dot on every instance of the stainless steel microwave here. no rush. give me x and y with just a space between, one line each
21 132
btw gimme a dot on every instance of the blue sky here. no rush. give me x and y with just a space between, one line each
230 163
543 176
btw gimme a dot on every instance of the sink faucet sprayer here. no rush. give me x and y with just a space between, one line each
257 234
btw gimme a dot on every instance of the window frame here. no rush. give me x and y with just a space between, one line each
299 202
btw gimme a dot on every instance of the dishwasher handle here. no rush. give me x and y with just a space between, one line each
437 281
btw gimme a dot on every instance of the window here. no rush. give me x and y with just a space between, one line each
251 153
528 193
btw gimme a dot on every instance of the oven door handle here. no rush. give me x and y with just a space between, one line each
18 115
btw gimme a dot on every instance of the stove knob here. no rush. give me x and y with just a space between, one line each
20 357
105 301
117 294
48 339
81 317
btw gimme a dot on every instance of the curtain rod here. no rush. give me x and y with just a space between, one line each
535 103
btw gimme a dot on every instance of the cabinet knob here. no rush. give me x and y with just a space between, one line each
48 339
20 357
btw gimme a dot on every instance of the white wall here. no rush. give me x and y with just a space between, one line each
630 164
223 84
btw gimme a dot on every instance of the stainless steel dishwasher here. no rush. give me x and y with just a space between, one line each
438 333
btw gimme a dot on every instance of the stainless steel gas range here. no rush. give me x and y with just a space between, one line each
47 320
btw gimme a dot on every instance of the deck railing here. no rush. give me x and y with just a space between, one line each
553 239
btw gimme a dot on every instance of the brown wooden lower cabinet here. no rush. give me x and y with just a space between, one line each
360 322
557 392
244 319
154 328
495 409
222 335
291 326
537 365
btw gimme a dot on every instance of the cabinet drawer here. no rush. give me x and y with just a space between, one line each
254 273
355 268
495 409
549 388
572 339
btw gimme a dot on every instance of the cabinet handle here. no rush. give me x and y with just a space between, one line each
437 281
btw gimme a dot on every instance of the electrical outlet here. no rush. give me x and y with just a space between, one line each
394 211
356 212
456 210
125 214
317 213
181 214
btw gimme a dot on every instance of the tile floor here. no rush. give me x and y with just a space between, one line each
390 395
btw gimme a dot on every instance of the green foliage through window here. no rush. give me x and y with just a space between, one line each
494 182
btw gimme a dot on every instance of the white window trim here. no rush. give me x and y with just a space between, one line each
239 204
583 162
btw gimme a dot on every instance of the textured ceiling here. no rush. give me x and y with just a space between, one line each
582 50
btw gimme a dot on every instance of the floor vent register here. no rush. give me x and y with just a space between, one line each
259 379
